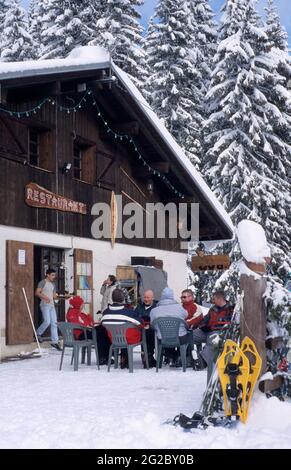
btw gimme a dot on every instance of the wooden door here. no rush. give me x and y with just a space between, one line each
19 273
83 277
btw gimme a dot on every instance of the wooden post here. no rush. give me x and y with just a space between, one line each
253 319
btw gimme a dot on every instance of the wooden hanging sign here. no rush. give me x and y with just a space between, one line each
37 196
114 218
210 263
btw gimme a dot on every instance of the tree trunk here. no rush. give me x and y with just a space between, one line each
253 318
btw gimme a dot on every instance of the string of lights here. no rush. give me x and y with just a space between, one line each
116 135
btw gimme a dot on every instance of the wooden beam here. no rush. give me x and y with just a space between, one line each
162 167
141 172
130 128
34 122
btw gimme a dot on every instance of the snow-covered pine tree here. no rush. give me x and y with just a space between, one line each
35 13
277 35
66 24
203 43
119 30
246 154
17 43
3 10
279 57
173 84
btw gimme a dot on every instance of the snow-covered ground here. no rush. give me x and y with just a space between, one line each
44 408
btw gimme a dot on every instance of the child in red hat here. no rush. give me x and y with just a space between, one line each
75 315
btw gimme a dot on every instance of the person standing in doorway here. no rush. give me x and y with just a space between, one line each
46 292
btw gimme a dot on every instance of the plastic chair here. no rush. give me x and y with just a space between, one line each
118 341
169 330
69 341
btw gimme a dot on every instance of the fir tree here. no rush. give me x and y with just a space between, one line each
247 153
204 39
17 43
118 29
203 43
35 13
173 85
65 26
3 10
277 36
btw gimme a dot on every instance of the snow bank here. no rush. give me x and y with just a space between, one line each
44 408
252 241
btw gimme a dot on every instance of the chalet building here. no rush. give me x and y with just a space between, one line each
72 131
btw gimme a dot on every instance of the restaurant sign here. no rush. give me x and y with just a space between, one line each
36 196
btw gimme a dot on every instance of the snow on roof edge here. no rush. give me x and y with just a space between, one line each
168 138
80 58
48 67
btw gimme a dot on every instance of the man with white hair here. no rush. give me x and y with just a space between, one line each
143 309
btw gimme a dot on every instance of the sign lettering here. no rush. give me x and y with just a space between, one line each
36 196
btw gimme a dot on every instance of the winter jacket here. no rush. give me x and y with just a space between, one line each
106 292
74 315
117 313
143 311
168 307
217 318
195 314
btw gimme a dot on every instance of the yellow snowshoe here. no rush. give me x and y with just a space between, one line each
233 369
255 364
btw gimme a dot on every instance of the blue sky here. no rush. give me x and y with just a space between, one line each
284 8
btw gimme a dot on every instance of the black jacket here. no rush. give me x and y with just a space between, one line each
143 312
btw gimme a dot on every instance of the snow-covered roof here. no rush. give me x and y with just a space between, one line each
95 58
81 58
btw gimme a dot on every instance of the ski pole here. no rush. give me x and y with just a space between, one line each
30 316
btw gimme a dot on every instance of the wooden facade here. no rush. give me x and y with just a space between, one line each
55 165
36 148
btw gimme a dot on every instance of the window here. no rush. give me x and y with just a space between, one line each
77 164
40 149
84 160
33 147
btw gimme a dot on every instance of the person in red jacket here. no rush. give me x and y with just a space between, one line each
195 314
218 317
75 315
194 317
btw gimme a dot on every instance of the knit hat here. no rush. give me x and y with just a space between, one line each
76 301
167 293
